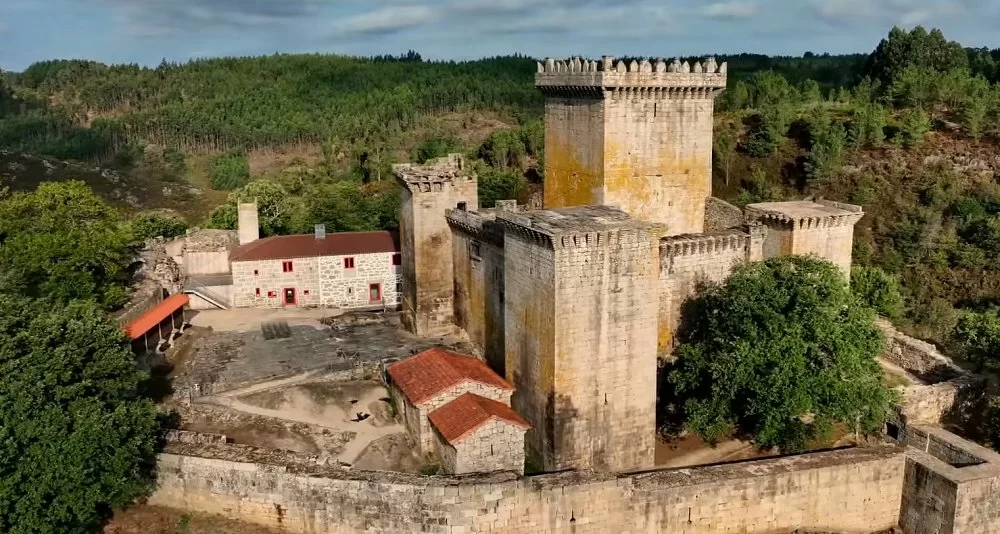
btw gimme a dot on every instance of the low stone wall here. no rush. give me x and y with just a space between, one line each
951 401
919 358
851 490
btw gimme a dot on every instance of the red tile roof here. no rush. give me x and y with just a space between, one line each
285 247
155 316
460 417
424 376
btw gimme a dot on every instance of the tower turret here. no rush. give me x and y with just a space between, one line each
637 136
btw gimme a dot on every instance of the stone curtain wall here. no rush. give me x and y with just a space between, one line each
855 490
686 264
495 446
348 288
270 277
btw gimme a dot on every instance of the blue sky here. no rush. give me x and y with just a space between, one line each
146 31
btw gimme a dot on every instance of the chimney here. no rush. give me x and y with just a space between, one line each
320 230
248 225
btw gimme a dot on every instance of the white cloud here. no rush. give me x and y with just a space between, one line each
730 10
912 18
388 20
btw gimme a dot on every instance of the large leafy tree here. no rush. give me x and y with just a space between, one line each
61 241
76 435
780 353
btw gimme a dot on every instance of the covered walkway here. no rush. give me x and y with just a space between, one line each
157 325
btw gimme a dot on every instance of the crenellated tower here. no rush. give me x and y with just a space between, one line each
637 136
427 268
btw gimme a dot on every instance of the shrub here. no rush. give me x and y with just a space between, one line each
149 225
877 290
231 171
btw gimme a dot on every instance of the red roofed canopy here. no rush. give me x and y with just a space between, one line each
461 417
434 371
155 316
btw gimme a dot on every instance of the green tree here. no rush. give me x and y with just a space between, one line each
273 207
345 207
867 126
917 48
78 438
978 335
976 106
878 290
230 171
991 422
725 152
149 225
781 352
504 149
826 153
497 184
61 241
914 125
436 147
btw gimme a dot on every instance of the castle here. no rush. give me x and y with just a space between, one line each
575 304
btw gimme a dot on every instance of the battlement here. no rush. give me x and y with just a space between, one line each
805 214
675 79
576 227
432 175
478 224
696 244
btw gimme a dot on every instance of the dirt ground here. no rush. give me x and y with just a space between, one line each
350 422
146 519
691 450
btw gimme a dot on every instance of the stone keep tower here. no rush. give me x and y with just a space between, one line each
581 335
426 239
635 136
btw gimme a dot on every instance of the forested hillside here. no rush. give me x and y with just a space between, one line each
909 131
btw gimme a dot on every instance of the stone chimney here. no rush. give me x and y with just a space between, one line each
248 225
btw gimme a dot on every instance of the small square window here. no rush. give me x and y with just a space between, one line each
305 291
258 291
272 294
286 267
256 272
397 259
348 263
474 250
350 291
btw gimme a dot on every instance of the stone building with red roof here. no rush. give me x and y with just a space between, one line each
349 270
456 407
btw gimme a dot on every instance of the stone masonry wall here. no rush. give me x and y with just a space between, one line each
854 490
495 446
427 270
574 151
479 295
349 288
529 274
603 413
267 275
686 264
658 157
425 437
951 486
